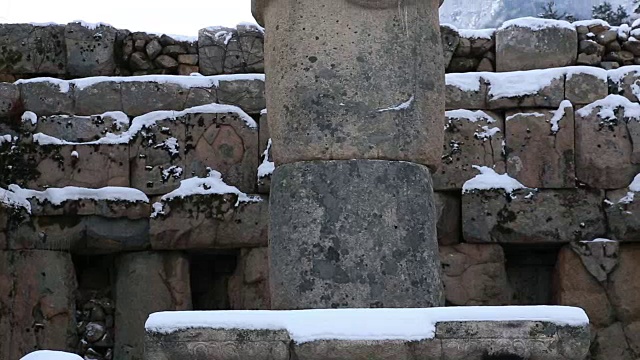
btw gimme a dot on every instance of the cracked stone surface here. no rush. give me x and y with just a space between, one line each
29 49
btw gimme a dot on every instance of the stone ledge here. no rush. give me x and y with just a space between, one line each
434 333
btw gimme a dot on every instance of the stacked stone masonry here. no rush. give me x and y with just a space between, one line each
571 140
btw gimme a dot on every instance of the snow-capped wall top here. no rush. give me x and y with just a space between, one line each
537 23
213 184
56 196
473 116
608 105
13 200
50 355
359 324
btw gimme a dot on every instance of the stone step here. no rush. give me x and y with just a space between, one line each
469 333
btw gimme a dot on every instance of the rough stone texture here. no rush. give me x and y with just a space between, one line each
474 275
141 97
157 282
9 100
529 216
603 150
474 140
79 128
246 94
330 91
98 98
210 221
623 215
625 85
45 98
218 344
457 98
583 88
249 284
225 50
538 156
523 48
357 350
90 52
548 97
358 233
95 166
448 210
220 141
450 41
32 49
37 302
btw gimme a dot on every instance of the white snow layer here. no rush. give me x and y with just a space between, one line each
50 355
149 120
267 167
402 106
469 115
477 33
559 115
213 184
30 116
599 240
488 179
537 23
56 196
6 139
359 324
608 105
186 82
13 200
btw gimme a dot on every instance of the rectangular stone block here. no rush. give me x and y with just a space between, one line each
540 147
549 96
471 138
249 285
537 44
9 100
90 50
32 49
586 86
623 214
357 350
46 97
173 149
465 91
147 282
209 222
90 166
37 301
245 94
230 51
530 216
604 146
97 98
82 128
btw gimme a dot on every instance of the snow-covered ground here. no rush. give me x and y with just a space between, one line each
50 355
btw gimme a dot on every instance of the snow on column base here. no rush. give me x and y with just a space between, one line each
540 332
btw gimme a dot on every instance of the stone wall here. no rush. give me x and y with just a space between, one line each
567 135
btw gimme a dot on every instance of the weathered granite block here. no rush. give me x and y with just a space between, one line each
97 98
583 88
474 275
623 214
210 221
141 97
245 94
540 147
146 282
91 166
46 97
177 148
546 44
530 216
228 51
9 100
37 302
32 49
330 218
449 213
471 138
82 128
90 50
604 148
356 349
461 93
549 96
204 343
249 284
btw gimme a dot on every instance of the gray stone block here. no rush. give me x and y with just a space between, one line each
90 51
79 128
623 215
525 48
530 216
245 94
585 88
450 42
32 49
141 97
357 233
9 100
458 98
46 98
548 97
98 98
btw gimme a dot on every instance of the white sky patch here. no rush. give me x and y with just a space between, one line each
488 179
360 324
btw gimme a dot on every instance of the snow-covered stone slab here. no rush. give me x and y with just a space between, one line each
206 213
540 147
448 212
606 130
171 146
531 43
43 96
29 49
82 128
9 99
50 355
444 333
533 88
527 216
585 84
471 138
623 212
465 91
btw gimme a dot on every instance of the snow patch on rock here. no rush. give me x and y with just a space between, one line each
488 179
56 196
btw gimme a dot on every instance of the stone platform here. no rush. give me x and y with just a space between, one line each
469 333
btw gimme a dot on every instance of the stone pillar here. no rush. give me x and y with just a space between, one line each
355 93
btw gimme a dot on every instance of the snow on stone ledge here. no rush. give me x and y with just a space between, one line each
537 24
634 187
50 355
472 116
477 33
599 240
267 167
185 82
56 196
488 179
360 324
13 200
608 105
